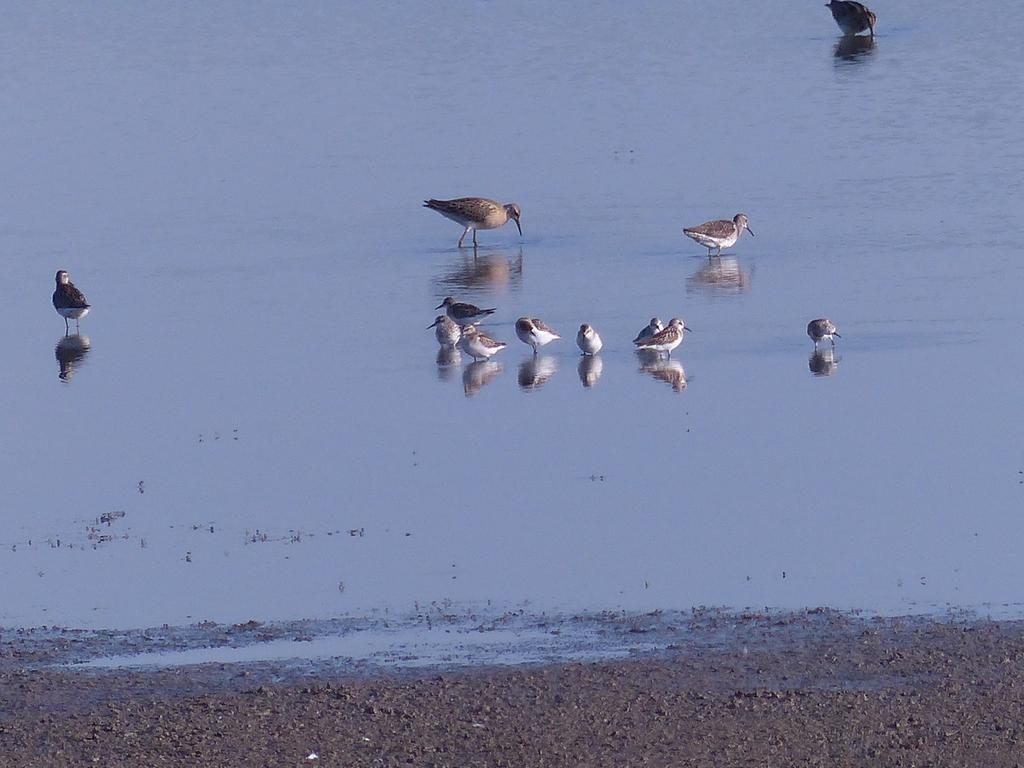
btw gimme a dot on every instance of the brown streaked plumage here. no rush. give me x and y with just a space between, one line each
665 340
69 302
653 327
822 329
475 213
478 344
446 331
719 234
852 17
533 331
461 312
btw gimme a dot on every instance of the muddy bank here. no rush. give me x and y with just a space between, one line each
801 689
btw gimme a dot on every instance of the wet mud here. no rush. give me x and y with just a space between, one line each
811 689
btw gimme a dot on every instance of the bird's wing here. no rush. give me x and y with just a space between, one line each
720 228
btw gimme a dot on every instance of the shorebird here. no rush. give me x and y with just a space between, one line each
588 340
69 302
446 331
822 329
719 234
475 213
852 17
649 330
478 344
665 340
533 331
461 312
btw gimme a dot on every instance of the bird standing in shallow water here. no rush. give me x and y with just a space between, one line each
822 329
649 330
533 331
447 332
461 312
478 344
588 340
719 234
852 17
665 340
69 302
475 213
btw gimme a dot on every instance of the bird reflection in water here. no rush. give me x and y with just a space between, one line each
448 360
70 351
823 362
663 369
492 271
589 369
854 47
721 276
479 374
534 372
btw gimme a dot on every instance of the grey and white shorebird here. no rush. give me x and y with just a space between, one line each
533 331
719 234
852 17
822 329
588 340
475 213
446 331
665 340
69 302
478 344
653 327
463 313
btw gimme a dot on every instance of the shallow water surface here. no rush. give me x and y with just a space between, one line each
237 190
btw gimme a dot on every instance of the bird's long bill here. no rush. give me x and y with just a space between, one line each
687 329
836 335
519 227
439 305
751 232
432 325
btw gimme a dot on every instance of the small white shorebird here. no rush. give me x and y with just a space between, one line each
461 312
475 213
447 332
665 340
69 302
649 330
719 234
478 344
822 329
852 17
588 340
533 331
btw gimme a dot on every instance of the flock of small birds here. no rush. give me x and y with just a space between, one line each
458 326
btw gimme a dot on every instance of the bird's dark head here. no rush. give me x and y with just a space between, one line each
62 277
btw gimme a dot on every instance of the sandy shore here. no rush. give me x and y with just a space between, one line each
821 690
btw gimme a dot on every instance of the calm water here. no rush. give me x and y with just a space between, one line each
237 190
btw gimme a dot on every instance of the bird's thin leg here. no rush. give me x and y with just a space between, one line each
466 232
67 328
833 343
474 239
